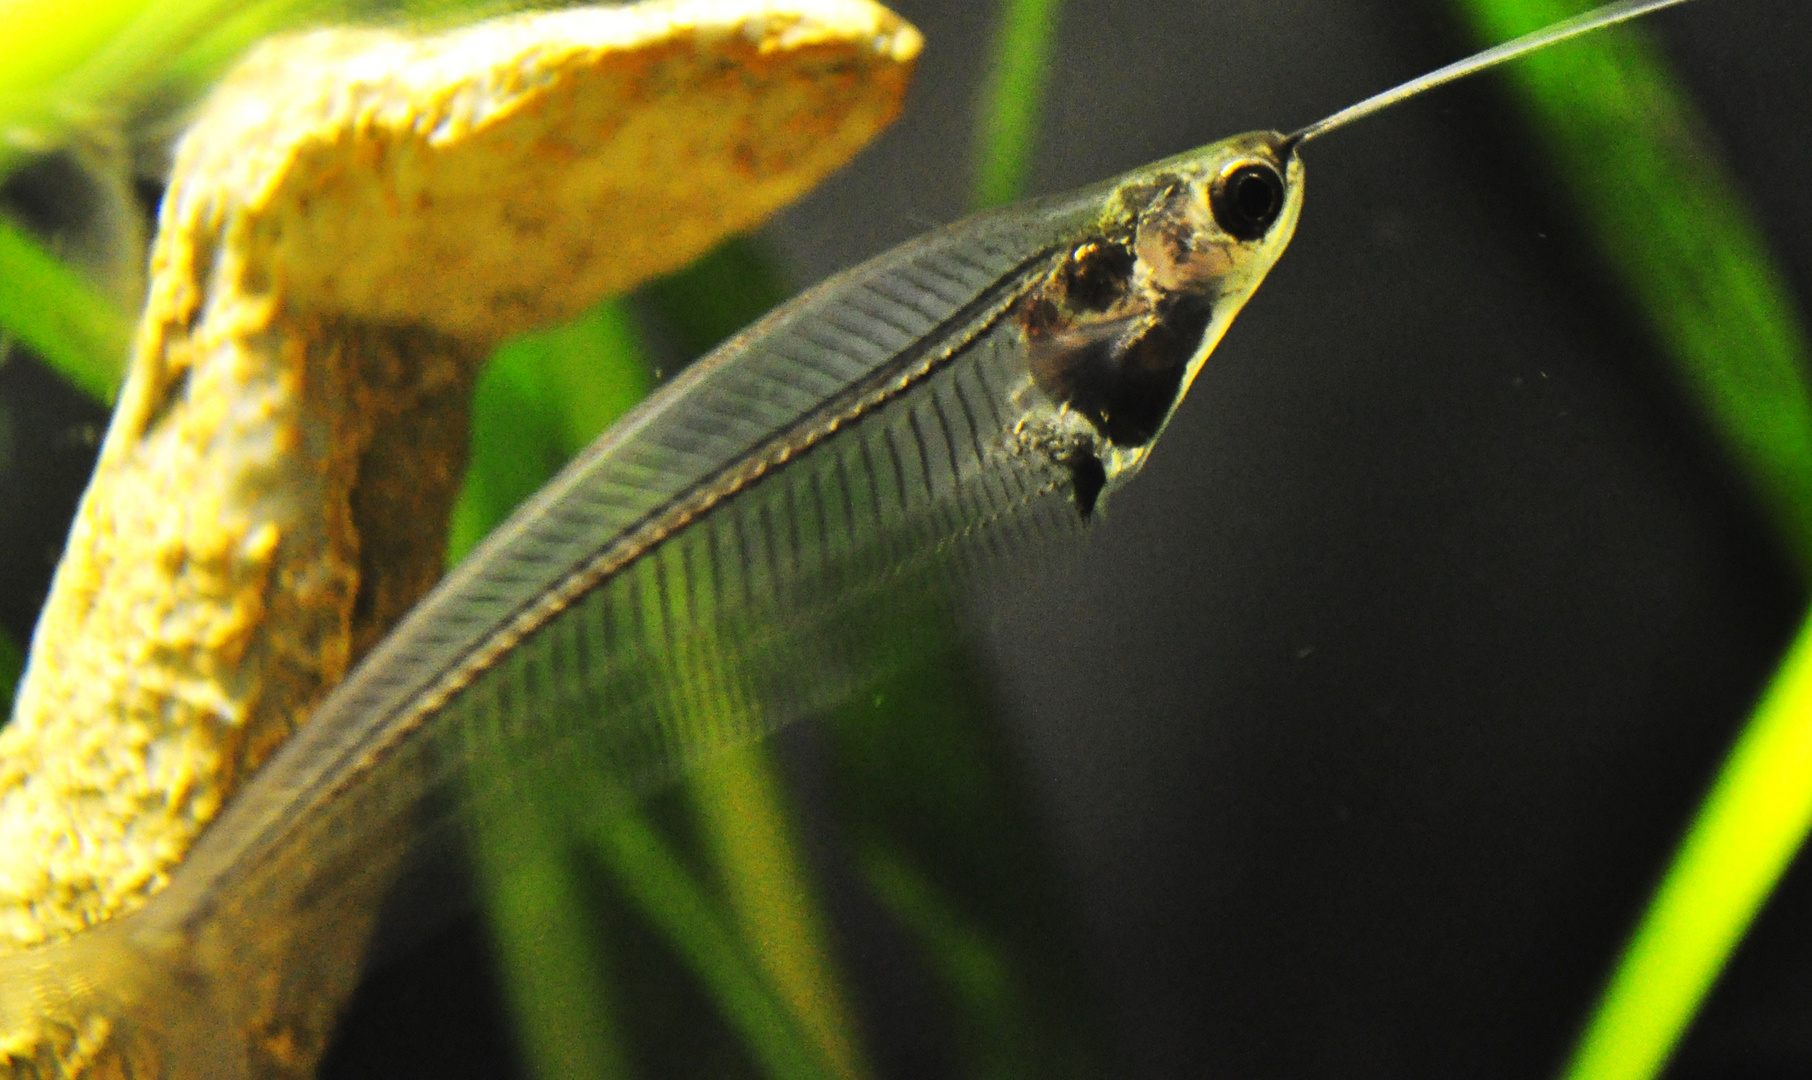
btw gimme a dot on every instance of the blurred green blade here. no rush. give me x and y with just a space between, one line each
668 897
1669 219
541 399
974 968
739 805
743 816
534 404
47 39
949 847
180 61
1740 844
549 945
68 63
1012 99
49 308
71 66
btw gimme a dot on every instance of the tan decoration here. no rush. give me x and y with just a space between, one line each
354 220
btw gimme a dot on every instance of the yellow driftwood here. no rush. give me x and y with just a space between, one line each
355 218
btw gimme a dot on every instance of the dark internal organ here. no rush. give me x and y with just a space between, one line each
1112 343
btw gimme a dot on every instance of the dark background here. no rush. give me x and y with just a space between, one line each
1366 720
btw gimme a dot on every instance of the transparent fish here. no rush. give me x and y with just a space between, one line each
737 553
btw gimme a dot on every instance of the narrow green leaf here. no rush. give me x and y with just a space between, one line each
739 802
137 47
730 287
189 70
1670 221
48 307
1012 99
92 62
72 64
747 827
926 780
915 765
550 948
541 396
47 39
667 896
974 967
596 371
1743 838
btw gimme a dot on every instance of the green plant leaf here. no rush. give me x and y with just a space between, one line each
667 896
1669 220
94 63
924 780
48 307
542 397
973 966
739 803
539 398
746 823
1741 841
72 65
1012 99
549 945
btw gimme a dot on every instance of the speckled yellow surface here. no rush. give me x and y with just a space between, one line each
512 173
353 220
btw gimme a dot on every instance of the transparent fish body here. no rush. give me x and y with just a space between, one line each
752 545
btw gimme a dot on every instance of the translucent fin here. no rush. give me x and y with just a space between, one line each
746 548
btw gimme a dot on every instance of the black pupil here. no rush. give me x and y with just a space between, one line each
1256 200
1248 200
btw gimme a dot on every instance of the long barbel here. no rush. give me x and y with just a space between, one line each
737 553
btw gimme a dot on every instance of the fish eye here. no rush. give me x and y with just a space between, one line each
1246 199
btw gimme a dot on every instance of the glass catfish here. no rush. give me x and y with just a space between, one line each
737 553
